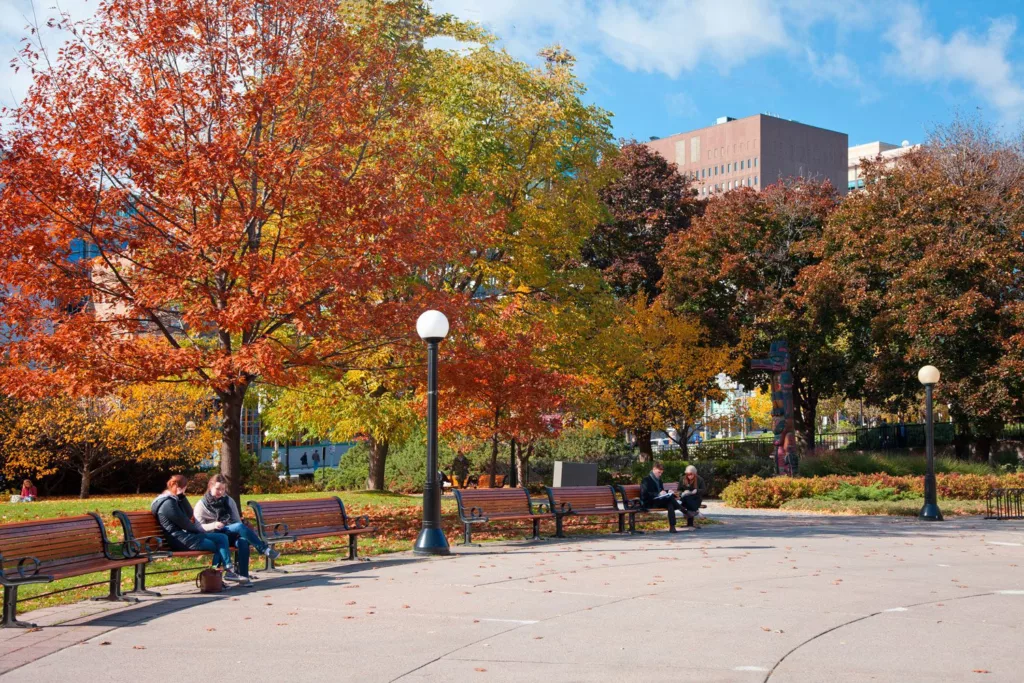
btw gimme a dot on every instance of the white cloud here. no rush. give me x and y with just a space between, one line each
981 61
840 71
681 105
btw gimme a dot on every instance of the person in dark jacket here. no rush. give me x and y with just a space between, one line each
174 514
653 495
691 493
460 471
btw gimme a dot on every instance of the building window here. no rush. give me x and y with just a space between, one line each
755 162
748 163
755 180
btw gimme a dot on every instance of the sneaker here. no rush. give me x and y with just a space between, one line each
271 553
244 582
230 575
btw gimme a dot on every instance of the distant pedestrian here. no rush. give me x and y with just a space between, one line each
28 491
460 471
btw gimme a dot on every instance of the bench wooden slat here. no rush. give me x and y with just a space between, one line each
313 518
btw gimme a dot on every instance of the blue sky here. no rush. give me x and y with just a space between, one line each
886 71
876 69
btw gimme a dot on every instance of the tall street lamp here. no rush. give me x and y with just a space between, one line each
432 327
929 377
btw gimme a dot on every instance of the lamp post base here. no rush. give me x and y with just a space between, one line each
431 542
930 513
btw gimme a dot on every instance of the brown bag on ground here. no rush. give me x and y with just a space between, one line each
210 581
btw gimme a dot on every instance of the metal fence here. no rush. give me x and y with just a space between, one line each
1005 504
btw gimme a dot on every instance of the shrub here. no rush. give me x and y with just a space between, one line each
753 492
874 492
857 462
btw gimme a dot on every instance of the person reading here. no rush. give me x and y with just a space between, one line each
654 495
691 494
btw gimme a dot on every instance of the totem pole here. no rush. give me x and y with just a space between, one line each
782 406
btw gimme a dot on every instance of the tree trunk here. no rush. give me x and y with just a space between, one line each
494 457
643 444
805 416
83 491
982 448
513 469
231 438
523 466
378 457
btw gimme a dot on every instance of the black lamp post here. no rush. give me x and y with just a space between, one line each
432 327
929 377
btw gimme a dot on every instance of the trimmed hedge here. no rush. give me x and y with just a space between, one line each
756 492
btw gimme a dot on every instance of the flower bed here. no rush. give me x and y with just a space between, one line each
755 492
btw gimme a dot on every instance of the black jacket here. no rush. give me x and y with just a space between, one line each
174 515
700 489
650 487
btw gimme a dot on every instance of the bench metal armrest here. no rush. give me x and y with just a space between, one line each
152 546
360 522
542 509
564 508
476 516
635 505
278 532
120 550
26 574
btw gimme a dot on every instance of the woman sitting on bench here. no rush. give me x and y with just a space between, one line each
216 511
174 515
691 493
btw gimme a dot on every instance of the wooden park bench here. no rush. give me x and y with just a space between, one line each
482 506
631 501
146 538
585 501
286 521
46 550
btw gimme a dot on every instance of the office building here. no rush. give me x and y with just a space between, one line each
872 150
755 151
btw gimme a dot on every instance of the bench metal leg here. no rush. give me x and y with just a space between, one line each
115 594
140 583
536 530
353 550
622 523
10 619
467 536
632 524
270 567
558 527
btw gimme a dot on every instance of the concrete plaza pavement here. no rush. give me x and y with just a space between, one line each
758 598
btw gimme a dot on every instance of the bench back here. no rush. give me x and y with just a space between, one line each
581 498
632 491
53 542
142 527
275 516
493 502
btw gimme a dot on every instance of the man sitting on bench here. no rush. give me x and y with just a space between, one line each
654 495
691 493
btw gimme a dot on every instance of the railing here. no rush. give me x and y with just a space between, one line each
1005 504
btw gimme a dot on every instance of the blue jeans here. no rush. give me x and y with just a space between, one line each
218 545
243 537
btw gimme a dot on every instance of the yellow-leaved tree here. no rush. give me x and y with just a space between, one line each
164 423
653 369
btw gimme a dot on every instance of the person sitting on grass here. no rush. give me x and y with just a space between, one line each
29 492
174 514
691 494
217 511
654 495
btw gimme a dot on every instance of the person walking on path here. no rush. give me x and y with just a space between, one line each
654 495
174 514
691 494
216 510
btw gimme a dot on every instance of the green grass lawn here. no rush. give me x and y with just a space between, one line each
902 508
396 517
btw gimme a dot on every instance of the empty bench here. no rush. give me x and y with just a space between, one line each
47 550
586 501
482 506
288 521
145 537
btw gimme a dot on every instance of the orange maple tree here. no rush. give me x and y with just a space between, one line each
220 193
496 386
